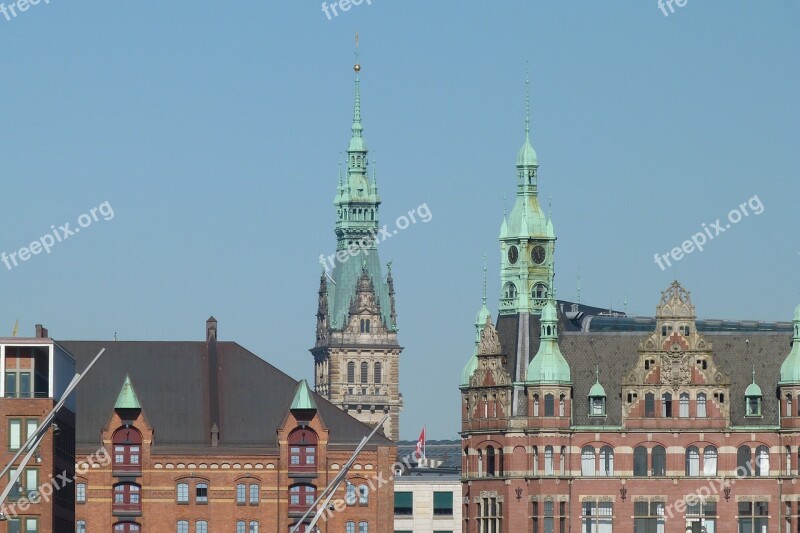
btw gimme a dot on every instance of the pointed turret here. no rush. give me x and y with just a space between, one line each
790 369
548 366
303 399
480 321
127 398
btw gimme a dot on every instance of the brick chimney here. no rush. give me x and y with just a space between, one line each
211 328
41 332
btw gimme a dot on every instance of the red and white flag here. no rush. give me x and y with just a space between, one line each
421 445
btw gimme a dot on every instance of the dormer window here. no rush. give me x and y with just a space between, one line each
509 291
597 406
666 330
754 406
684 329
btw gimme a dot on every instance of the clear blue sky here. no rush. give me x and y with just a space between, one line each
214 130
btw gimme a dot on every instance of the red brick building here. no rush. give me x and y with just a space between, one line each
197 437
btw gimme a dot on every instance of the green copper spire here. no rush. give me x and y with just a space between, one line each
790 369
480 322
303 400
127 396
548 366
526 234
597 390
753 389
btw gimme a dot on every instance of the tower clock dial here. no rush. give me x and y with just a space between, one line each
538 254
513 255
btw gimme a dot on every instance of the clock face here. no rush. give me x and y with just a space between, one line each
538 254
513 254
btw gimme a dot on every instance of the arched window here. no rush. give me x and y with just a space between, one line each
302 496
789 460
692 461
548 460
701 405
762 461
302 450
241 526
535 405
378 373
561 459
351 372
606 461
587 461
182 491
789 411
364 373
666 405
201 493
201 526
743 462
80 526
549 405
363 527
640 461
539 291
561 405
490 462
509 291
485 399
183 526
363 495
710 461
535 460
241 494
127 450
254 494
350 494
659 457
649 405
128 527
684 405
127 498
494 405
350 527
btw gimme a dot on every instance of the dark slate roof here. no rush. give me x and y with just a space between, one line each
617 353
171 380
648 324
447 451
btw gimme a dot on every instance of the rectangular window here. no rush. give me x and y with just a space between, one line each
648 517
11 391
253 494
201 493
549 405
24 384
31 525
80 493
753 517
31 483
13 525
684 405
14 434
240 494
443 504
701 516
253 527
183 493
548 517
403 503
31 425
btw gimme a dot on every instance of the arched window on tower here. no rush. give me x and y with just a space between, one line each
710 461
377 373
490 462
127 450
561 405
659 458
666 405
539 291
684 405
535 405
509 291
302 450
649 405
561 460
364 373
743 464
789 410
640 461
351 372
701 405
548 460
535 460
549 405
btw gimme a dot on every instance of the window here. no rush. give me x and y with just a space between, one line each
753 406
350 527
562 454
684 405
659 454
490 462
710 461
648 517
535 460
649 405
701 516
27 485
666 405
606 461
127 449
692 461
31 525
640 461
127 497
762 461
303 495
14 434
201 526
549 517
364 373
365 325
597 406
403 504
363 495
183 493
351 372
490 515
302 450
80 493
549 405
535 405
254 494
363 527
587 461
597 517
539 291
127 527
80 526
753 517
183 527
548 460
241 526
509 291
18 384
743 465
201 493
561 405
443 504
241 494
789 411
378 370
701 405
254 524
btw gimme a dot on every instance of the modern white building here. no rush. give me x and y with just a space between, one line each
427 501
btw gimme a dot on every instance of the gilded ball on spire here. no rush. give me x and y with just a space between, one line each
357 67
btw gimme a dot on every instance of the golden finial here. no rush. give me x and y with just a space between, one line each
357 67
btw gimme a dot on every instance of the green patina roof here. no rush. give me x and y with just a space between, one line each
597 390
526 157
790 369
469 369
549 365
753 389
527 219
303 400
127 396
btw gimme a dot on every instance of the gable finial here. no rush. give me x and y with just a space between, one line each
484 277
597 373
754 373
527 102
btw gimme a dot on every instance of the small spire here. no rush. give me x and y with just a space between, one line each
579 286
550 206
527 103
357 108
484 277
504 205
754 373
597 373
